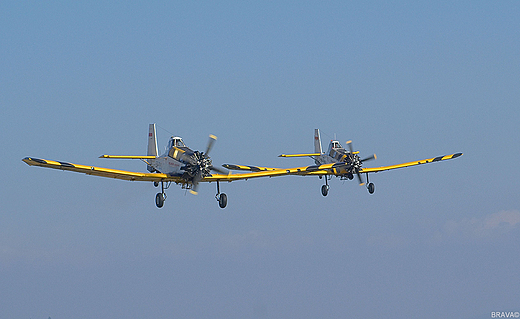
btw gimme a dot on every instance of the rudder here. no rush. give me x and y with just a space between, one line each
152 144
317 141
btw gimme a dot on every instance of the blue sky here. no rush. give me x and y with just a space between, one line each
403 80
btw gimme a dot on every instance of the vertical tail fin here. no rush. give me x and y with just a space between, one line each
317 141
152 141
152 144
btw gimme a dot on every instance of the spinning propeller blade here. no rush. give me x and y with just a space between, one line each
195 183
212 139
219 170
360 178
372 157
351 149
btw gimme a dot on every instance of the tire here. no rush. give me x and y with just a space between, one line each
159 200
371 188
222 200
324 190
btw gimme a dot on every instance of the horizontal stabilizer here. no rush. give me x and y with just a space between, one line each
129 156
248 168
299 155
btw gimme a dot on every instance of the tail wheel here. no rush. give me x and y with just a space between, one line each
159 200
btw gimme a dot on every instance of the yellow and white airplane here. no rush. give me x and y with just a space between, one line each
337 162
179 164
185 167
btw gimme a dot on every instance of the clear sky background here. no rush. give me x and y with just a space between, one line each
404 80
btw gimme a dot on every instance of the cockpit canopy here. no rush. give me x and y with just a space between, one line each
175 141
334 145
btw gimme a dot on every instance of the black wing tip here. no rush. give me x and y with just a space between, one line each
446 157
456 155
33 159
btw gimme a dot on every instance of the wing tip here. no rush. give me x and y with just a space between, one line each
457 155
33 161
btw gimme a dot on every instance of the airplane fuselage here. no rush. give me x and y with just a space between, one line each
336 154
178 159
167 165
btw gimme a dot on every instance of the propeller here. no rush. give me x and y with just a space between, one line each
201 165
211 141
356 162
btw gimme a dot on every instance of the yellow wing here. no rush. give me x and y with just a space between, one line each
103 172
153 177
324 169
267 173
257 171
425 161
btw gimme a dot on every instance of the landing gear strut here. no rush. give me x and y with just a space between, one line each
325 188
221 197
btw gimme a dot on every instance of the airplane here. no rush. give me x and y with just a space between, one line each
179 164
187 168
337 162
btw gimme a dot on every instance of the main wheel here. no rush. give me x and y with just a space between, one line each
324 190
222 200
371 188
159 200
